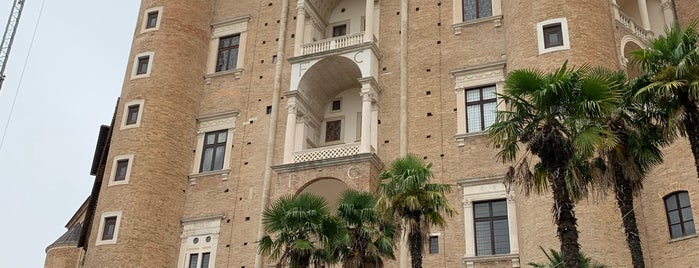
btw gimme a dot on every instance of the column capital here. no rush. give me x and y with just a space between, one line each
466 203
291 108
301 5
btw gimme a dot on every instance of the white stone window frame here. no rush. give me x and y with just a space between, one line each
458 14
487 189
144 20
200 228
134 65
564 34
112 174
125 114
105 215
471 77
210 123
224 28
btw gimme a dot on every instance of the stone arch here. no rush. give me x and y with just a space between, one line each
628 44
328 187
329 77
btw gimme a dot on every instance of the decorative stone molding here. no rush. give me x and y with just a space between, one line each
457 27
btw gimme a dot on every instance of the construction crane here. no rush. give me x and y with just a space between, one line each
9 36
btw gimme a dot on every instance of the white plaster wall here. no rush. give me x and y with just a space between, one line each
354 10
351 106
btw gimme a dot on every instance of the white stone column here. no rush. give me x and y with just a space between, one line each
512 224
668 12
290 137
643 9
369 21
368 96
375 125
300 28
460 110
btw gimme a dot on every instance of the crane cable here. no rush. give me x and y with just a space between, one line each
21 76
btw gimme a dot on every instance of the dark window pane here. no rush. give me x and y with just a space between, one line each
207 159
671 203
673 216
222 136
684 199
485 8
676 230
483 242
469 10
337 105
499 208
501 236
193 259
339 30
109 227
205 260
333 130
227 58
434 244
210 138
687 214
481 210
553 35
218 158
689 228
142 66
152 20
121 168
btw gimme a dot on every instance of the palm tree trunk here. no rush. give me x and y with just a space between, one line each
691 125
565 219
416 243
624 198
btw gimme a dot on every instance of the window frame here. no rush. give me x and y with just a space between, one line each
131 115
103 221
324 131
125 114
433 241
224 28
146 19
565 38
490 219
129 158
232 47
136 66
480 103
681 215
209 123
216 145
552 28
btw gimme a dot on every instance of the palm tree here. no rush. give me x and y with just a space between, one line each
671 68
371 238
405 192
624 166
555 115
300 231
555 260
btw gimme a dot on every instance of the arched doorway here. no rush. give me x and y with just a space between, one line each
328 188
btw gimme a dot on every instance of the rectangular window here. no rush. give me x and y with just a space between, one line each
679 215
228 53
553 35
213 151
152 20
132 116
337 105
339 30
205 260
434 244
491 227
476 9
333 130
109 228
121 169
481 108
193 260
142 67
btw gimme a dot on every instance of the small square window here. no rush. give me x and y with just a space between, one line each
121 170
132 116
434 244
142 66
337 105
339 30
109 228
553 35
152 20
333 131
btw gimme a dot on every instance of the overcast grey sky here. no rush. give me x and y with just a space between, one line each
73 76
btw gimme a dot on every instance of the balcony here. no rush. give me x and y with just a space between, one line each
326 152
333 43
626 20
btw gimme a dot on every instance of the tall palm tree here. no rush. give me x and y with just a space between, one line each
300 231
370 236
555 115
671 68
624 166
405 192
556 260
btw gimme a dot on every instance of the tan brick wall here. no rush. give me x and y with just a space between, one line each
63 257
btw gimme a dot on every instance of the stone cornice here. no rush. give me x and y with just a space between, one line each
352 159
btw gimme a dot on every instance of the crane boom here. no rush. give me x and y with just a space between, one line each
9 36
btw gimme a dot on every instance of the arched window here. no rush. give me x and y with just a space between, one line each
679 214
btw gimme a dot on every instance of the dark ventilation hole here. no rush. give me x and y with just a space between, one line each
425 158
251 122
228 221
417 9
294 17
277 21
270 4
267 23
241 198
441 155
246 163
225 191
386 141
282 98
292 35
228 245
342 10
264 42
428 93
429 114
428 70
439 4
262 61
429 136
439 24
439 42
249 142
276 39
398 13
247 218
183 191
454 109
379 122
260 77
259 100
245 244
384 69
